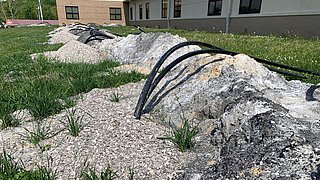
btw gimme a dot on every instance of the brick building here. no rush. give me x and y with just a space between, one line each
93 11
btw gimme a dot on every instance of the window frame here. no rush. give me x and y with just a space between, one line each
177 9
164 9
115 14
216 11
249 10
72 13
147 10
140 11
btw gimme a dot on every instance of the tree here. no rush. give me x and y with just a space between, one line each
27 9
9 8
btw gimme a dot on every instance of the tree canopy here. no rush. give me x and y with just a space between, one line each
27 9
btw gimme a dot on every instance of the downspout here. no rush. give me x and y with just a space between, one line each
135 14
228 17
169 14
40 11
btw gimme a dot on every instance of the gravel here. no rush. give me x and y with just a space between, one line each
111 136
76 52
61 35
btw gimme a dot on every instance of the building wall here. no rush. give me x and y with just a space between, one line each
92 11
301 17
302 25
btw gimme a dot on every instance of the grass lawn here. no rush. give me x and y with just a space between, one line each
293 51
39 85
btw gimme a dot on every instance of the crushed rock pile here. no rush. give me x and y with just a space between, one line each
136 52
143 50
61 35
76 52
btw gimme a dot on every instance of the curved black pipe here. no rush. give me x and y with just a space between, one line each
80 30
310 93
90 38
139 28
151 83
179 60
194 53
286 73
143 96
94 39
79 23
285 66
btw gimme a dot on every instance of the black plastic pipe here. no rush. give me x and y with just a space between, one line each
145 91
94 37
286 73
151 83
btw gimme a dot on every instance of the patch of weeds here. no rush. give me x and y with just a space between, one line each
115 97
40 131
91 174
183 136
8 121
8 103
41 173
12 170
74 124
8 167
41 99
44 147
131 173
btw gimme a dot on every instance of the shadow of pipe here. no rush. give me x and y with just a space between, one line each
156 99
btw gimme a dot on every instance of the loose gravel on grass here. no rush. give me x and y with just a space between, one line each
111 136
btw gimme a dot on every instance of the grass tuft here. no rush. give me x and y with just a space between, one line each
183 136
40 131
8 121
131 173
8 167
12 170
91 174
115 97
74 124
41 173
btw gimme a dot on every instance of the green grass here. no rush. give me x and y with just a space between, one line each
44 87
293 51
74 124
89 173
12 170
183 136
115 97
41 131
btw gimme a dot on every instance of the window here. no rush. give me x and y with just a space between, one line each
147 10
115 13
140 11
131 13
177 8
72 12
250 6
164 12
214 7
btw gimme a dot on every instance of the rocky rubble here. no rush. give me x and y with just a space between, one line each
140 51
259 125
